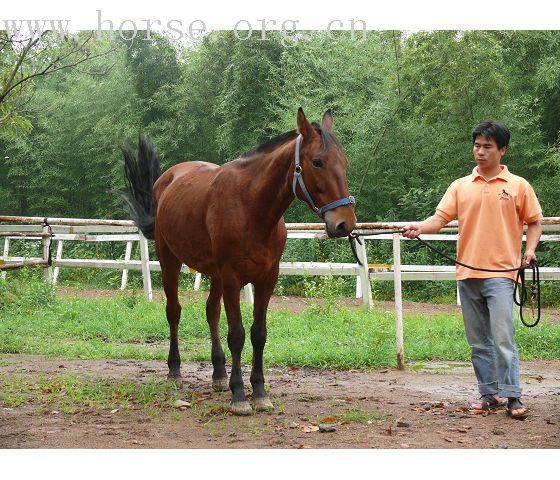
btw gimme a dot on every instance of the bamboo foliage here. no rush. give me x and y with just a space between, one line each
404 105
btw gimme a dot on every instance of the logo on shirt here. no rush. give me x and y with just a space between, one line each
504 195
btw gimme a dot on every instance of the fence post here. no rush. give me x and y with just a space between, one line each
5 255
127 253
358 287
59 247
398 299
197 281
364 274
145 260
249 294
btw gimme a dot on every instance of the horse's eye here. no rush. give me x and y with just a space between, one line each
317 163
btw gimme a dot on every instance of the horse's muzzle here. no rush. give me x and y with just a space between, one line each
340 224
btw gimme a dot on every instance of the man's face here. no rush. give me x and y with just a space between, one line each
486 153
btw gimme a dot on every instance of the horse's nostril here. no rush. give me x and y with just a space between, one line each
341 228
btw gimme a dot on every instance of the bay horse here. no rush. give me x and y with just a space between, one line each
227 223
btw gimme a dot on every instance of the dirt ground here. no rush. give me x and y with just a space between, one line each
425 408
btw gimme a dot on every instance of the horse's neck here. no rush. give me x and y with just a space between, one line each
271 184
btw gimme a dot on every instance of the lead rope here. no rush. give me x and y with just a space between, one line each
519 282
46 224
535 293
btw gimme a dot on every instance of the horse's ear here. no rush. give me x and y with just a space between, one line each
303 125
328 121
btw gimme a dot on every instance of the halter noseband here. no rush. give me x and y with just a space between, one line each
298 179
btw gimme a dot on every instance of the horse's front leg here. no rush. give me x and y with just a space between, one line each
236 339
263 291
219 376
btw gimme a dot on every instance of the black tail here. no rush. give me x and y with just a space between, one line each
140 175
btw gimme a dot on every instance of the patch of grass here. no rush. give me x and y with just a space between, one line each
359 415
331 337
279 407
177 416
13 399
416 366
256 428
26 292
72 393
209 411
14 391
71 348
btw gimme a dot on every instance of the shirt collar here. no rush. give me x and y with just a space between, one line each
503 175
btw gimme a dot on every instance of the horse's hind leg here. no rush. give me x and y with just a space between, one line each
213 307
263 291
170 268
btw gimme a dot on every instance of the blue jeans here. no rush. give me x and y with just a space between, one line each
487 305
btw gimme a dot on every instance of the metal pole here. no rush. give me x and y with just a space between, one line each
26 263
398 299
66 221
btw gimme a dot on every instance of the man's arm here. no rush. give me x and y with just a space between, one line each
534 231
432 224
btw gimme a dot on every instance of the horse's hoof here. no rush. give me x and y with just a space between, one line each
262 404
241 408
176 379
220 384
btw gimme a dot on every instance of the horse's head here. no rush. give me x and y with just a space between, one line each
320 178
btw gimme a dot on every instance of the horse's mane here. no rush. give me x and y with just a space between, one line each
327 140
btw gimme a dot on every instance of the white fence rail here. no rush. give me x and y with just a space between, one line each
91 230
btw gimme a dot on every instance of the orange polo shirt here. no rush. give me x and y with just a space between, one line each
491 214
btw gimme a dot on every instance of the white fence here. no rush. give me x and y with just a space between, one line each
89 230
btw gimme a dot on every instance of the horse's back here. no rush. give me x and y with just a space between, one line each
195 173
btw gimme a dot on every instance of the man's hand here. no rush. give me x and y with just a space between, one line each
412 230
432 224
534 231
529 257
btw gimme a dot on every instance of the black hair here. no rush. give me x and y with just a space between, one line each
271 144
327 140
492 129
141 172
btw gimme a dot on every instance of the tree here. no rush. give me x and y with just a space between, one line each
27 58
70 160
404 106
153 60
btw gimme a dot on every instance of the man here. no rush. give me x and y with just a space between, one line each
491 204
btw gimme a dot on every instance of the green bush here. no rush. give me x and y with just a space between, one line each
27 292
